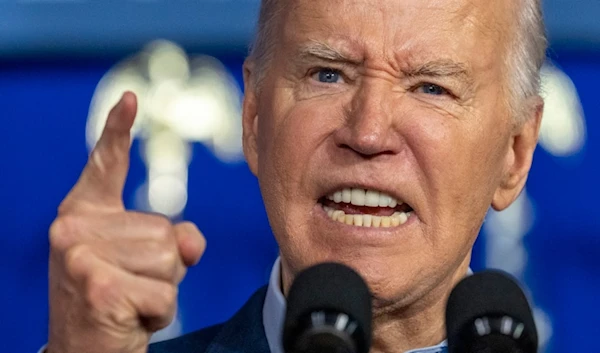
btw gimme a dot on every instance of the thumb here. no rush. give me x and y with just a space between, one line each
190 241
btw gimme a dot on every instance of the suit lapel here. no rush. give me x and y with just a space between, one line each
244 332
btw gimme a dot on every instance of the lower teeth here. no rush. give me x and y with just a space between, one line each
365 220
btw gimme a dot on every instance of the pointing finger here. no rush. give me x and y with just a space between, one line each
103 178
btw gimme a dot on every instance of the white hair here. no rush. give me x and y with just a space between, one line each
526 54
261 51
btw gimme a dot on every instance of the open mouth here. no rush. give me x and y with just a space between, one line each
366 208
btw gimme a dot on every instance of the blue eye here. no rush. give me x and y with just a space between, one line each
430 88
328 76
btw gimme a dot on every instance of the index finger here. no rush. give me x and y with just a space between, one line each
102 181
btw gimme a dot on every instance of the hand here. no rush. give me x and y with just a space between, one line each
113 273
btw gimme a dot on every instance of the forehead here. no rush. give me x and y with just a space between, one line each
399 29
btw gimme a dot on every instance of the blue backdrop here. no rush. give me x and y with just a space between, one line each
44 104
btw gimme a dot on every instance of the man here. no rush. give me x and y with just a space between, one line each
380 131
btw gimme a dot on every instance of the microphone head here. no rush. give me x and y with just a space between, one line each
328 309
488 312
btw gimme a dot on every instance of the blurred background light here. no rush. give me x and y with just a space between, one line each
56 56
179 104
563 130
562 134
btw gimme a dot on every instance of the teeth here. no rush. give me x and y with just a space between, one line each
384 200
346 195
403 217
329 212
337 197
386 222
362 197
366 220
349 219
372 198
376 221
358 197
338 216
358 220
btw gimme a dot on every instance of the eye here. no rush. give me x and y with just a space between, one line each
432 89
327 75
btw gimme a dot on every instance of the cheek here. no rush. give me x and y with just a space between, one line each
291 138
460 162
292 135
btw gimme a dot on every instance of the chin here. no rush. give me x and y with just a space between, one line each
388 282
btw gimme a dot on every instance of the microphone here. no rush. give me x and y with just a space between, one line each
328 310
489 313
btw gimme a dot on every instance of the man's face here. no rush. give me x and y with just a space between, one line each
388 103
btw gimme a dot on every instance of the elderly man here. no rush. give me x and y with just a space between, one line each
381 131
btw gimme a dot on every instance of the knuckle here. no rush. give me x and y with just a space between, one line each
101 288
77 259
100 158
162 304
123 318
167 259
168 298
180 273
61 232
163 228
64 207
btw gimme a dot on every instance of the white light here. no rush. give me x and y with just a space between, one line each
544 327
563 130
167 194
166 153
195 115
161 96
167 61
109 91
181 100
505 231
514 222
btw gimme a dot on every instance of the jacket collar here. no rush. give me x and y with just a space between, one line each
244 332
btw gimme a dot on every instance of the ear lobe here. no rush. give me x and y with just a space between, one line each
250 118
519 156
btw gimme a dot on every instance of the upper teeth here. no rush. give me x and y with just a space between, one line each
362 197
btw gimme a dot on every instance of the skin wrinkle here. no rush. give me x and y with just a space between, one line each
526 47
319 50
450 159
318 54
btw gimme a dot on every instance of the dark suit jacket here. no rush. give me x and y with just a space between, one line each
243 333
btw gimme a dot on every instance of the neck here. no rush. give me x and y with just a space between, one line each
419 325
401 331
404 328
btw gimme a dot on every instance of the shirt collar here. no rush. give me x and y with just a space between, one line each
274 314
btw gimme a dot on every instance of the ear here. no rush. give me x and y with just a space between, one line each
250 117
519 155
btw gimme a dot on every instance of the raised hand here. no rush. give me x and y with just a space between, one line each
114 273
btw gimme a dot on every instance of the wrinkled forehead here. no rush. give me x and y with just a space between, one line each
489 14
482 26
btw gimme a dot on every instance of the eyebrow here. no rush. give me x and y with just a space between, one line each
440 68
435 68
323 51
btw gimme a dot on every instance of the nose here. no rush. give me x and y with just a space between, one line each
370 128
